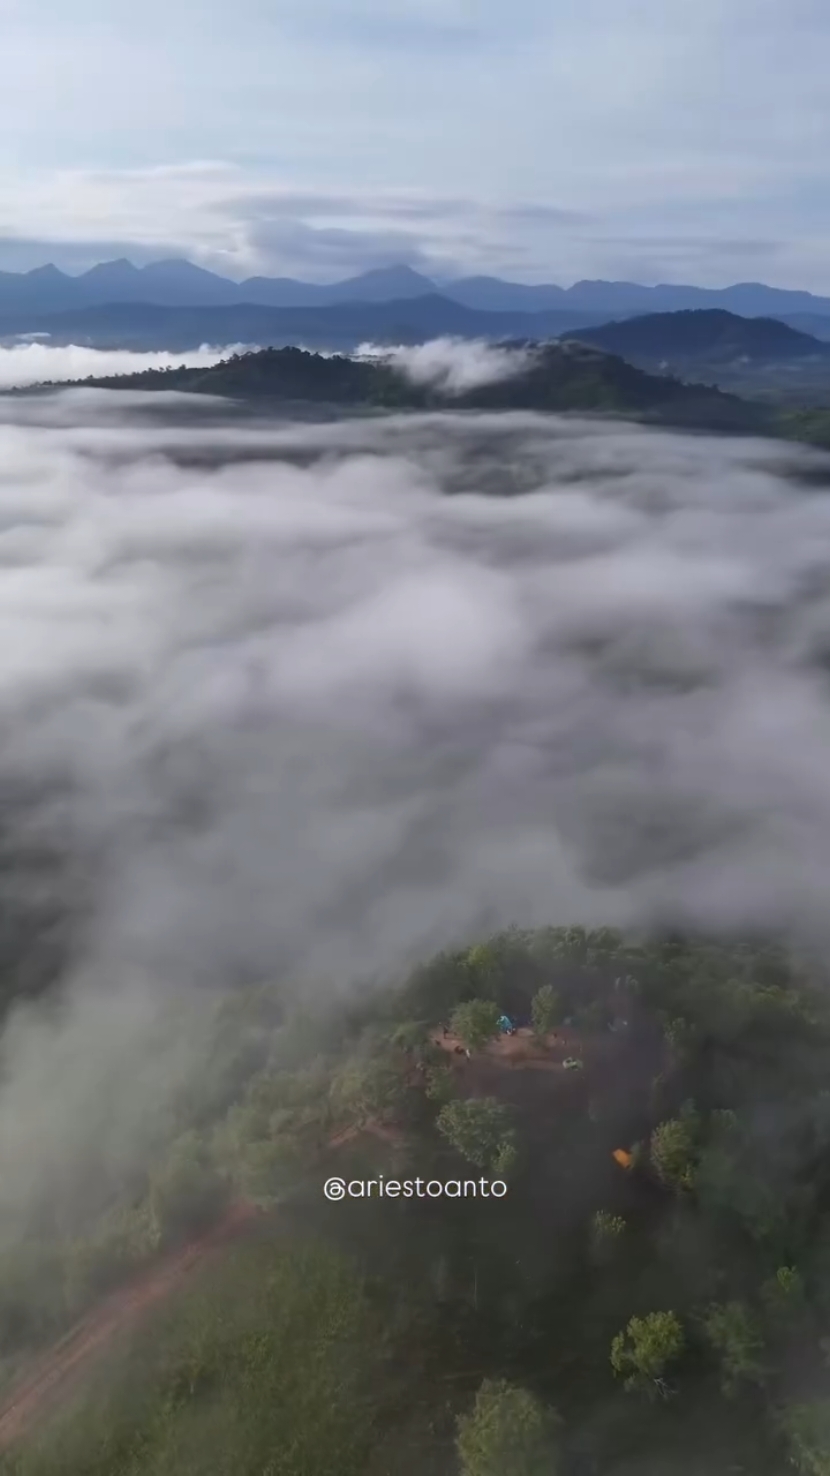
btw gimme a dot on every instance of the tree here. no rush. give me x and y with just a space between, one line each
269 1166
641 1354
440 1084
412 1038
806 1429
784 1296
545 1010
482 964
214 1389
479 1128
476 1022
734 1335
508 1432
367 1088
681 1036
606 1232
562 945
672 1152
186 1189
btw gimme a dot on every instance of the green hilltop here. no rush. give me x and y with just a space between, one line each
566 377
558 377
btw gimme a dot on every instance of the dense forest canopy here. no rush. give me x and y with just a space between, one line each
555 377
667 1309
571 376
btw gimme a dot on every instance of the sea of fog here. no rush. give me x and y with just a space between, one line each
452 365
35 362
323 698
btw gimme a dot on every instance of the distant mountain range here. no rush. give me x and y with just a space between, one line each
683 341
178 283
338 326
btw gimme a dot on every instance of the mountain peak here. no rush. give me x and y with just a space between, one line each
175 266
397 270
382 283
120 267
47 273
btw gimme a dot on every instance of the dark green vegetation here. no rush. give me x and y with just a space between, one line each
559 377
708 335
670 1318
757 357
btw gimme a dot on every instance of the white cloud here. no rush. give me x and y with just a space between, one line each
38 363
654 118
314 699
452 365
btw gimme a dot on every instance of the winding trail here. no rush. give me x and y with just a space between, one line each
50 1375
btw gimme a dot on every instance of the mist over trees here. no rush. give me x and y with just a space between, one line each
669 1313
262 838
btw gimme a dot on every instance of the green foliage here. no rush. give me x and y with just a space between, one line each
734 1335
267 1167
476 1022
545 1010
507 1431
784 1296
480 1129
606 1232
561 377
123 1240
369 1088
413 1037
561 945
806 1428
273 1362
504 1159
641 1354
440 1084
186 1189
482 962
473 1292
682 1037
672 1152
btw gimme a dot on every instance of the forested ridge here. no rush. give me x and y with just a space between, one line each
568 377
557 377
665 1310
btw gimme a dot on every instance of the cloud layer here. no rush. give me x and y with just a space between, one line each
314 700
452 365
317 694
27 364
548 141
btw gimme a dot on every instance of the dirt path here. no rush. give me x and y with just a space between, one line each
50 1375
518 1052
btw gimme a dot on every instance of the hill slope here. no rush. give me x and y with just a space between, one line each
555 377
707 336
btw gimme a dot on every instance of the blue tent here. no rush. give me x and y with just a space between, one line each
506 1025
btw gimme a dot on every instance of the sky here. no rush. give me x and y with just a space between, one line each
545 140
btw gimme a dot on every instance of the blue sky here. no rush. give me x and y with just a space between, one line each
660 140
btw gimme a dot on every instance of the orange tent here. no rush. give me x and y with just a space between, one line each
625 1160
